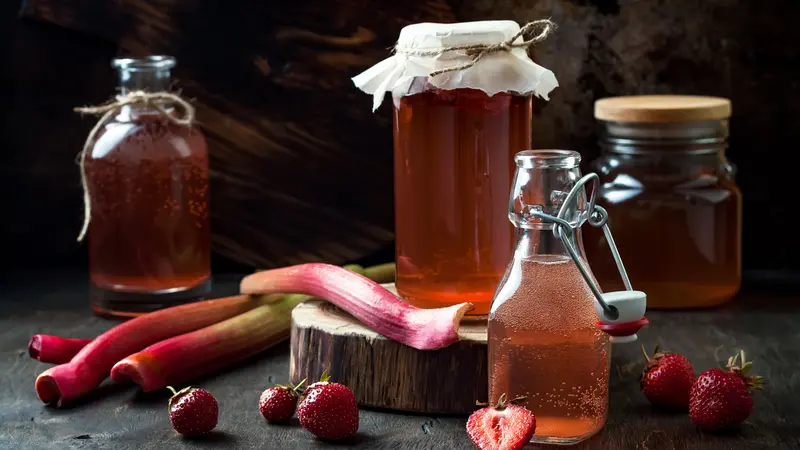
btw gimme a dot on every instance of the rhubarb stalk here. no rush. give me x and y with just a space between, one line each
92 364
382 273
182 358
366 300
54 349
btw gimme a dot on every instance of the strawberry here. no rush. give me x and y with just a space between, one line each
193 411
277 404
502 427
720 399
328 410
667 379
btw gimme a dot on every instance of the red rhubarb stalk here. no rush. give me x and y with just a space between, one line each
92 364
182 358
185 357
54 349
366 300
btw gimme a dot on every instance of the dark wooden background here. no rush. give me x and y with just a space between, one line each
302 168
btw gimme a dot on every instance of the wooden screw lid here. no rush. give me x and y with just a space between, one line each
662 108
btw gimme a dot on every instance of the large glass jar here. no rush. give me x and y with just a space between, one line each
454 153
673 203
147 178
459 120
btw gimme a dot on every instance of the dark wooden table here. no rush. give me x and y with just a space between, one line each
766 325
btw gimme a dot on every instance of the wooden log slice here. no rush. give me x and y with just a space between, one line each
383 373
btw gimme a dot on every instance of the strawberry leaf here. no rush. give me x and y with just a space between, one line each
297 387
325 377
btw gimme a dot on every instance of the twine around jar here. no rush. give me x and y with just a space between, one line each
155 100
478 51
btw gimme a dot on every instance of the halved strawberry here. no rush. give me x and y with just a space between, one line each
505 426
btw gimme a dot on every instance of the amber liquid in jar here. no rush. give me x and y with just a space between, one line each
681 241
454 153
149 238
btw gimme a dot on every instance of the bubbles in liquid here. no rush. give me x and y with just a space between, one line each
543 344
149 194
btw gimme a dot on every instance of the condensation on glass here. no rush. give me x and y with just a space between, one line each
148 238
670 192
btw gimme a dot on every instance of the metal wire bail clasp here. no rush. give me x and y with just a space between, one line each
622 313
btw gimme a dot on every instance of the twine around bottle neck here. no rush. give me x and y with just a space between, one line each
478 51
155 100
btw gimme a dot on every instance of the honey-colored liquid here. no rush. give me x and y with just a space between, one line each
453 164
683 249
544 345
149 233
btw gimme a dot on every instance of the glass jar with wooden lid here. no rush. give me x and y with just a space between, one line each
670 191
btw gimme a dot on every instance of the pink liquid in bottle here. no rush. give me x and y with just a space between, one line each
544 345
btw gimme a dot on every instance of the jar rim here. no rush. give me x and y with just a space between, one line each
151 62
547 159
709 136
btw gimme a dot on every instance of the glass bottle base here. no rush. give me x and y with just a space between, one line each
556 440
111 303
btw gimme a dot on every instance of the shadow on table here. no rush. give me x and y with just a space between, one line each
213 438
160 396
105 391
358 440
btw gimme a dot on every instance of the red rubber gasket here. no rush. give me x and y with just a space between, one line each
623 329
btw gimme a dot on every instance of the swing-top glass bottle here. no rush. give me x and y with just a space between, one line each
544 343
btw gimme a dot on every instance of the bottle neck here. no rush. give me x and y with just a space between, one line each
148 80
142 79
541 243
546 192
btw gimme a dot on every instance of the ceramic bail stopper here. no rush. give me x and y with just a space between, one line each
621 313
631 306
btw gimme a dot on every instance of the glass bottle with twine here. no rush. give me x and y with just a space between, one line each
144 171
